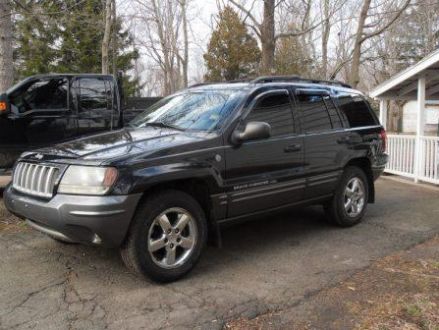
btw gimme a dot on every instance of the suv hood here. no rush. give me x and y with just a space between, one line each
114 145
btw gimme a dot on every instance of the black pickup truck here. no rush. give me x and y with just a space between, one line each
46 109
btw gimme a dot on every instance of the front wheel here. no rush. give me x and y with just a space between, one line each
349 203
167 236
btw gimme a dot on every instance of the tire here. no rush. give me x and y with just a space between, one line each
166 236
341 210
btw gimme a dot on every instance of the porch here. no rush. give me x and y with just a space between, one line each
413 156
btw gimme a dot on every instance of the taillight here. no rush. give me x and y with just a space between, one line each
383 136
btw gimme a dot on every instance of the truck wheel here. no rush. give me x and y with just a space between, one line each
166 237
349 203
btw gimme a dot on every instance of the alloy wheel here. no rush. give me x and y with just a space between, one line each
354 197
172 237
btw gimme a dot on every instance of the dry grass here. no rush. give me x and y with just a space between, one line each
9 222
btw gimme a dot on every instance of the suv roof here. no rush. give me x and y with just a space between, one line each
332 85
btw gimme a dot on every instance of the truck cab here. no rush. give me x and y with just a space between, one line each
46 109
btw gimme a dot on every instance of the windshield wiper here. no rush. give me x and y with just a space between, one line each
163 125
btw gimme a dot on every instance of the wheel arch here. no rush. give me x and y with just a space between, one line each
365 164
198 189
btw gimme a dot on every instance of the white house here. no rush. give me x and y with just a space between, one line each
413 155
409 112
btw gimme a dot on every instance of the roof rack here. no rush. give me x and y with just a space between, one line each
268 79
220 82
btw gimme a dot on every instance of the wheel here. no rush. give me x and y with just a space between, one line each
349 203
166 237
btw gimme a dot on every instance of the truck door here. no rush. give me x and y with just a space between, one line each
94 103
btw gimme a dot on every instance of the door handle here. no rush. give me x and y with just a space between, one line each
293 148
344 139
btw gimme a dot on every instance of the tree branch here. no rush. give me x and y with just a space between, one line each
247 12
386 26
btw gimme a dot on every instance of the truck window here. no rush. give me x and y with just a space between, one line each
40 94
93 94
274 109
356 111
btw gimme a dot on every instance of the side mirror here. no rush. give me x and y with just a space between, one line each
253 130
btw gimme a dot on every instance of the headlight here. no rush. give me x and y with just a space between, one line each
87 180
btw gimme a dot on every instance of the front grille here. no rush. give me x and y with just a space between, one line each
34 179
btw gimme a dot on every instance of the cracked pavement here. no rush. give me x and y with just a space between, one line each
276 262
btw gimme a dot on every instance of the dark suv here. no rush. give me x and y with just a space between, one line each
204 157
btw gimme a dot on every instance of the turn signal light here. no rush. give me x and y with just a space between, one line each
3 106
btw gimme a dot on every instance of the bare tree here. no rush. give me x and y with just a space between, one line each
6 46
326 29
185 57
107 37
366 31
167 41
266 29
114 37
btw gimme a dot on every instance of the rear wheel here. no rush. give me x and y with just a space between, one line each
349 203
167 236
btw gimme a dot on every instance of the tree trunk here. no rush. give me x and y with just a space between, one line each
185 60
268 42
354 75
325 38
106 39
6 49
114 38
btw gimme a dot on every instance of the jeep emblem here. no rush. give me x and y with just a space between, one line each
39 156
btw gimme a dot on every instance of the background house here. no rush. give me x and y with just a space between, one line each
408 120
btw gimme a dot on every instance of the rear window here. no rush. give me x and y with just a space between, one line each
356 111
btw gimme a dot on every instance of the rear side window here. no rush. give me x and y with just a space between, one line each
93 94
41 94
318 113
274 109
356 111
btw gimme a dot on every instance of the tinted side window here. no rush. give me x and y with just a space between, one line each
93 94
41 94
356 111
274 109
334 115
315 116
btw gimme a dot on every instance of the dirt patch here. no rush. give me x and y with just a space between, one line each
9 222
400 291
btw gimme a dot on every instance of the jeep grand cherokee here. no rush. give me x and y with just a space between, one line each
204 157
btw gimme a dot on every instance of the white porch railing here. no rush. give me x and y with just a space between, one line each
430 159
402 150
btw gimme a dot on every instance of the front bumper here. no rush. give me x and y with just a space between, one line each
84 219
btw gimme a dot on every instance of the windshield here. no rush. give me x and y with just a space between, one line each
190 110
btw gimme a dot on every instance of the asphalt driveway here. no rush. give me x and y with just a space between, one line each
277 262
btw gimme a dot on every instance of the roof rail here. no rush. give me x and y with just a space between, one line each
220 82
267 79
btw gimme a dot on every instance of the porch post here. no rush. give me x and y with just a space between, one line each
420 121
383 113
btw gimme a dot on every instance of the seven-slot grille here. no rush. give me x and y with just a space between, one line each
34 179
